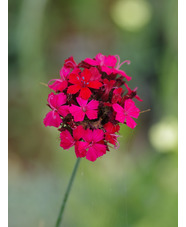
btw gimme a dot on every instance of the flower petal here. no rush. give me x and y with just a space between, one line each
77 113
122 73
74 78
52 119
97 135
92 105
130 122
85 93
95 74
80 149
107 70
91 62
118 108
95 84
58 85
86 75
131 109
82 102
111 61
100 149
63 110
95 151
92 114
78 132
67 140
88 135
64 72
120 117
73 89
91 154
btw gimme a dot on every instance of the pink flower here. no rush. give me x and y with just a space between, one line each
125 114
58 109
70 63
67 140
108 64
94 144
132 93
82 83
89 109
103 61
117 95
110 135
60 84
108 85
88 104
116 70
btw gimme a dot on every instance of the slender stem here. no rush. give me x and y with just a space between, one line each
59 219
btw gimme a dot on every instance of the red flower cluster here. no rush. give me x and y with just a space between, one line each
89 103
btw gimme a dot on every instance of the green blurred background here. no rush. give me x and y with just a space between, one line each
135 186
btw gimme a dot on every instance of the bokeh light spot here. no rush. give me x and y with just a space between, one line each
131 15
164 135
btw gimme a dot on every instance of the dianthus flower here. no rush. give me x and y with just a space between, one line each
89 103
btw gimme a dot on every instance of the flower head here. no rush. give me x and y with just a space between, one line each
89 103
56 103
89 109
83 82
125 114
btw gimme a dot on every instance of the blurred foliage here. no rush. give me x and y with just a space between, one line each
134 186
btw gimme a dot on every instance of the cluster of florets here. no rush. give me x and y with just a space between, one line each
89 103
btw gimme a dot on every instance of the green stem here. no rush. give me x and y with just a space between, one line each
59 219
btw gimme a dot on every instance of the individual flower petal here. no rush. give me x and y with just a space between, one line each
118 108
77 113
95 151
82 102
92 114
95 84
111 60
63 110
78 132
110 135
57 100
64 72
100 149
70 63
120 117
95 74
107 70
58 85
111 128
97 135
52 119
130 122
122 73
91 154
92 105
67 140
117 95
88 135
85 93
73 89
86 75
91 61
80 149
74 79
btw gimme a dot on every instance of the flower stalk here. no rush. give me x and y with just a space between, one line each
60 216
